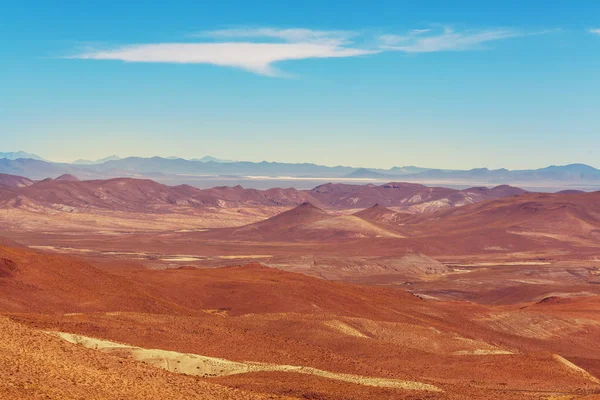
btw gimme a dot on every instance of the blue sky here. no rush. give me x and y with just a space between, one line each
458 84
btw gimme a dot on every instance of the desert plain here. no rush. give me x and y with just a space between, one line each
130 289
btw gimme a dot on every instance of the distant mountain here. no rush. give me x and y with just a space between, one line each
211 159
565 173
177 169
67 177
20 154
407 170
100 161
203 159
32 169
365 173
179 166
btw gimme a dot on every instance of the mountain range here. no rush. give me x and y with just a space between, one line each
169 169
67 192
14 155
100 161
518 221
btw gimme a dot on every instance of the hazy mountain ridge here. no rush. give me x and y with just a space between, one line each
14 155
365 173
114 166
100 161
213 159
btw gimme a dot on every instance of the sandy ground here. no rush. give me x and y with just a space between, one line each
193 364
34 365
116 222
245 327
476 314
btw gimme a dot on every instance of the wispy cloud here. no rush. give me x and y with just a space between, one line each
255 57
259 49
428 41
241 50
595 31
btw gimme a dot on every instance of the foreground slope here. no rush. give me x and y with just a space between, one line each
36 365
32 281
279 333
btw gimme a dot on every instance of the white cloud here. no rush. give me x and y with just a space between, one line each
259 49
595 30
423 41
255 57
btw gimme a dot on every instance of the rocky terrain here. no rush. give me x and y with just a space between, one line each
220 330
234 293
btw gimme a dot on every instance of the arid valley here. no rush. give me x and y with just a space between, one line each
309 200
127 288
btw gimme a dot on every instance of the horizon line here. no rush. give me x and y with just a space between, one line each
197 159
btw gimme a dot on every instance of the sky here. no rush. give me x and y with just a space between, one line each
439 84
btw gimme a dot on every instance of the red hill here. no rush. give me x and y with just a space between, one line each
383 215
67 177
14 181
281 226
143 195
31 281
559 214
